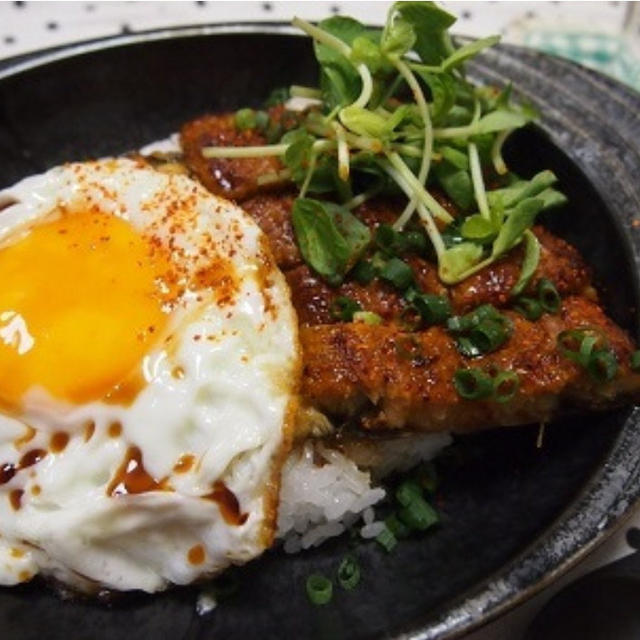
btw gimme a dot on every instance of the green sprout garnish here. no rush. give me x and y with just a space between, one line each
396 114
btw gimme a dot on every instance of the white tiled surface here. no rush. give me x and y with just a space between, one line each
29 26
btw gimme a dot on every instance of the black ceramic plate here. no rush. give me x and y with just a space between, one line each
514 516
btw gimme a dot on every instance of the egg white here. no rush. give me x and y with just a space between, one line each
232 408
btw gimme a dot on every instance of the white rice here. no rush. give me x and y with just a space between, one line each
205 603
372 530
323 491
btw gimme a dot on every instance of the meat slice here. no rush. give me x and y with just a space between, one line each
391 379
313 299
272 212
559 262
234 178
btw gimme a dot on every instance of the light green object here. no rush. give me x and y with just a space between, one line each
609 54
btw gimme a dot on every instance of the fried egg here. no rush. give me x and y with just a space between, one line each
149 366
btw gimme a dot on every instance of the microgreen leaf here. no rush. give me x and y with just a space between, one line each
501 119
399 37
468 51
342 27
517 221
458 116
551 198
456 183
340 85
403 113
458 259
399 116
443 93
363 122
356 234
478 229
364 50
339 80
529 263
296 157
430 23
456 158
321 243
330 237
521 189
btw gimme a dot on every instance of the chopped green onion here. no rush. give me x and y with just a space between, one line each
462 324
472 384
415 241
387 540
467 348
488 336
349 573
602 366
530 308
245 119
586 349
393 242
397 272
635 361
343 308
433 309
578 344
482 331
363 272
398 528
319 589
418 515
367 317
589 348
407 492
548 296
262 120
505 386
569 343
387 239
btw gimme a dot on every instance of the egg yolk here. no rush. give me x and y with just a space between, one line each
80 305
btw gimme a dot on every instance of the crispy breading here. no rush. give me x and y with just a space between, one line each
393 379
272 212
234 178
559 262
388 378
313 299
